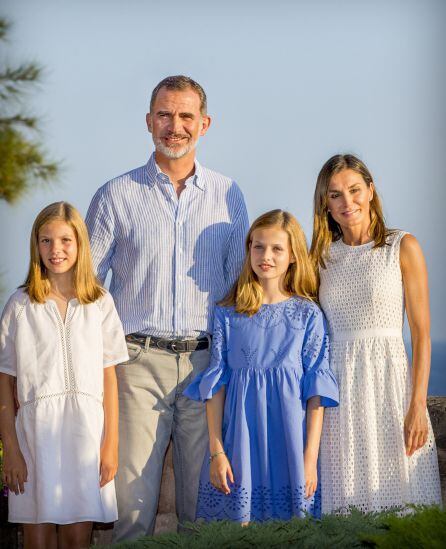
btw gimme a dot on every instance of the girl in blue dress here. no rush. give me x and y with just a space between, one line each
267 384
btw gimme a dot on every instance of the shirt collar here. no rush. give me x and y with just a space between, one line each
153 172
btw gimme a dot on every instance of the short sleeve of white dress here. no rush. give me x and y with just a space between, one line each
8 324
113 339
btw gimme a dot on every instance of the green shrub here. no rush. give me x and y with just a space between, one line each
425 527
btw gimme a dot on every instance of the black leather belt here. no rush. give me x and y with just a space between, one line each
174 345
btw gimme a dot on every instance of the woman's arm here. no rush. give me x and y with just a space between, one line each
15 473
220 468
315 416
109 448
416 292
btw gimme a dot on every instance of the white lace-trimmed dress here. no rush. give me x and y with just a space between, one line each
363 458
59 368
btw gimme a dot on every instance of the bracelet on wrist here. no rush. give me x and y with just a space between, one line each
212 456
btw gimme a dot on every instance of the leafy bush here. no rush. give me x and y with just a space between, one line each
423 527
426 528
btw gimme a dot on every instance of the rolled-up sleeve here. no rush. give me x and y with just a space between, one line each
8 326
113 339
100 224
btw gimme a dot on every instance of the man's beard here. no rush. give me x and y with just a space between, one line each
174 152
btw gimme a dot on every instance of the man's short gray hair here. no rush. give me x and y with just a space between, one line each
180 83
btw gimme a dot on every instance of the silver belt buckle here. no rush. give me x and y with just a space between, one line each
173 346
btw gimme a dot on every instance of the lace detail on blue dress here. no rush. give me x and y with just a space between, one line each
314 346
218 338
270 315
280 354
270 371
297 317
249 355
209 382
261 504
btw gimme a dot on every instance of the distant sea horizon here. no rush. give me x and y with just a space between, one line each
437 379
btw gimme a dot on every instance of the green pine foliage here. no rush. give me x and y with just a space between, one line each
424 527
416 530
23 162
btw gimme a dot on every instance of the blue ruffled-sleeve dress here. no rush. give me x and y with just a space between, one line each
271 363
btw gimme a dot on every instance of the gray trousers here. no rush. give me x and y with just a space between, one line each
152 409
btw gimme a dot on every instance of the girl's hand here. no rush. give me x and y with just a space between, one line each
220 472
109 463
310 468
415 428
15 473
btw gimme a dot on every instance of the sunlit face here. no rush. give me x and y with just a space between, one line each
176 123
270 253
58 247
348 199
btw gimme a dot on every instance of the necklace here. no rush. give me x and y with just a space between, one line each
62 297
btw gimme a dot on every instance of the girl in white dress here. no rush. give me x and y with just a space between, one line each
60 337
377 448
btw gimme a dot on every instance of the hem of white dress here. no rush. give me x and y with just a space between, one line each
53 521
120 360
345 508
4 370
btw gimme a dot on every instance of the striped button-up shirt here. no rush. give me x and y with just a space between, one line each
171 258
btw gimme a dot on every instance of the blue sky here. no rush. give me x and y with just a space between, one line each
289 84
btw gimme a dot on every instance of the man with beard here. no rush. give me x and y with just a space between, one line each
171 232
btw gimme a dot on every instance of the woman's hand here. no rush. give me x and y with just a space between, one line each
310 470
220 472
15 473
109 463
415 428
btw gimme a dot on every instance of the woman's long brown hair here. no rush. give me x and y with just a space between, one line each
325 228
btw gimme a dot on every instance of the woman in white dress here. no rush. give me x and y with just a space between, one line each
377 449
60 337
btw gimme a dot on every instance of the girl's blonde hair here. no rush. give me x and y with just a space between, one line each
300 279
86 285
325 228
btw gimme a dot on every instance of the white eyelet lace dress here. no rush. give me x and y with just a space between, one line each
363 458
59 367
